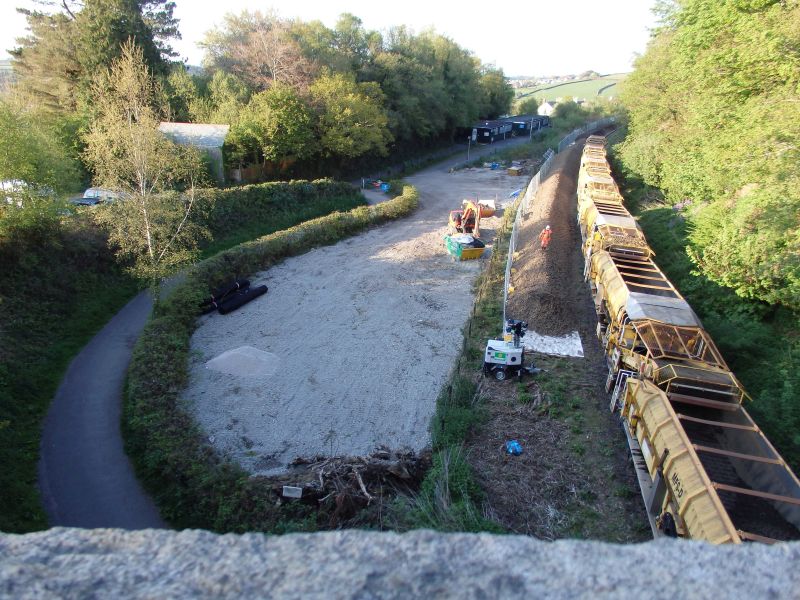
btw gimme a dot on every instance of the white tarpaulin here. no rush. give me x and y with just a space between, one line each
564 345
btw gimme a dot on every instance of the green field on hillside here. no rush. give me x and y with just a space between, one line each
588 88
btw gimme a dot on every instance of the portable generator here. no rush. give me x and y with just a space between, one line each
506 357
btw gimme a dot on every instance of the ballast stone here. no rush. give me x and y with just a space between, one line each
75 563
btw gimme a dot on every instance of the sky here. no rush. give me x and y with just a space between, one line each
537 38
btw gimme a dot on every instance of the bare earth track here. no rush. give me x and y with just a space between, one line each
574 478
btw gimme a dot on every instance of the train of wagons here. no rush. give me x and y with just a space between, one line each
706 470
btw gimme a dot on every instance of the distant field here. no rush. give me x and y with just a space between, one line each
588 88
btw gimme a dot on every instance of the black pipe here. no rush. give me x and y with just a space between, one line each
222 292
241 298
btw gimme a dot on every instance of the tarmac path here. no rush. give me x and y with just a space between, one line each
85 478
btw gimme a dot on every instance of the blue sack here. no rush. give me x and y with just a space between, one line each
513 447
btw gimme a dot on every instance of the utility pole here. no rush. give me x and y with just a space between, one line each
469 142
530 133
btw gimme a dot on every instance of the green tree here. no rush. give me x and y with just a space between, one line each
276 125
714 107
352 121
529 106
57 61
496 93
152 227
183 93
31 151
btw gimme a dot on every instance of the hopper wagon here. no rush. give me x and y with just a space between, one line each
705 468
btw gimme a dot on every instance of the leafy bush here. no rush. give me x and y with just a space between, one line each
191 483
713 108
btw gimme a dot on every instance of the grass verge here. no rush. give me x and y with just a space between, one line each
193 485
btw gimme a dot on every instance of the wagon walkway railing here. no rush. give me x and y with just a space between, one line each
526 202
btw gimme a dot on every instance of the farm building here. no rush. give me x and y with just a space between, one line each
546 109
206 136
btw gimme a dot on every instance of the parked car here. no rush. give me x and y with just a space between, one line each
94 196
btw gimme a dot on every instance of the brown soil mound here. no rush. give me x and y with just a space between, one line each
544 291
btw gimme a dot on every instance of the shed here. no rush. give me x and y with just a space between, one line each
525 124
486 132
208 137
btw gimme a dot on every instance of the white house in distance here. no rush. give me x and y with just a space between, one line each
546 109
208 137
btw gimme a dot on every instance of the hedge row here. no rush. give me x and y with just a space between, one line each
192 485
229 209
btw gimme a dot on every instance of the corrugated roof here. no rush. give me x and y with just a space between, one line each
206 135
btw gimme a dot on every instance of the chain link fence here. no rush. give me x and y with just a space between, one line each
526 202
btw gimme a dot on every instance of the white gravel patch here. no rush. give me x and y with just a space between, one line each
245 362
564 345
351 345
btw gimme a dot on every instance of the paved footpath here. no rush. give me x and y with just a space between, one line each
85 477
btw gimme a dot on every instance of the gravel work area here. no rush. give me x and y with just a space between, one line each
351 345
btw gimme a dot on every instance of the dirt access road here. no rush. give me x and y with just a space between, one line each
352 343
574 477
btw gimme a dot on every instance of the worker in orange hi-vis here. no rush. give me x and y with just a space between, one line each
545 236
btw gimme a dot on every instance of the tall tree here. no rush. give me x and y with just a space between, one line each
714 107
352 121
259 49
31 151
70 42
496 93
150 227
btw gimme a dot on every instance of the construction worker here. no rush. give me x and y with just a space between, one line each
545 236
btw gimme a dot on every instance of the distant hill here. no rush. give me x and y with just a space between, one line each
605 85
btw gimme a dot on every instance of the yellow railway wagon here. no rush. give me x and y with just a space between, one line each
714 476
611 228
595 152
707 471
593 161
682 498
600 172
647 327
595 141
590 185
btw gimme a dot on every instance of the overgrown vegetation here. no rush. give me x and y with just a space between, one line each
760 342
191 483
714 107
59 284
